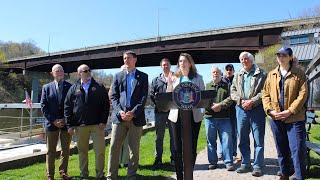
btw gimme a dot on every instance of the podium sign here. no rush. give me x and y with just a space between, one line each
186 96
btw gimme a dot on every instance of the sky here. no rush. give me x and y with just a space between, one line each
64 25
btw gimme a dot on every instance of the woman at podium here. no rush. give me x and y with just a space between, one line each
186 72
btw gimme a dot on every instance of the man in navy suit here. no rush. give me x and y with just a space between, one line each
52 106
129 95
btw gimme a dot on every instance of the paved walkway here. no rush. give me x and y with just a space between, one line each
201 171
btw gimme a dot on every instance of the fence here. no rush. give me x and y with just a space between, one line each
30 123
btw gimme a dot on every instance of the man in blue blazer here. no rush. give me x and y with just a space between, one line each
129 95
52 107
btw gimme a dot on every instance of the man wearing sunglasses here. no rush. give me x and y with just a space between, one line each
86 110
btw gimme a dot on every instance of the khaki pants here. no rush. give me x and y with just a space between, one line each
83 135
52 138
124 152
118 134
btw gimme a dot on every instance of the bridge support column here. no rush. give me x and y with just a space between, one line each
34 91
35 83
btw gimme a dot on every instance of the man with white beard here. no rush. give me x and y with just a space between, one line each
217 121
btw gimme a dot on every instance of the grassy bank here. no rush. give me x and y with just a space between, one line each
146 171
315 158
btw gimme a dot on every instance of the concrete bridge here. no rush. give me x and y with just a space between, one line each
212 46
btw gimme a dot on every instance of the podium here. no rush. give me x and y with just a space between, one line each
185 97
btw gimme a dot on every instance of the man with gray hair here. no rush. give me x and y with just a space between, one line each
86 110
217 121
246 92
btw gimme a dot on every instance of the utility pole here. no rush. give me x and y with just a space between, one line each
49 44
158 24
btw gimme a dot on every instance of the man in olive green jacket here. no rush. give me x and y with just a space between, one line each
217 121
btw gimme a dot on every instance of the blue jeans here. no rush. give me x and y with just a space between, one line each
252 120
224 128
233 120
161 120
291 137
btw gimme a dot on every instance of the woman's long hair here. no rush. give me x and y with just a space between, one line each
193 69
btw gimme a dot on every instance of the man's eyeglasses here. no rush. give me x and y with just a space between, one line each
86 71
228 69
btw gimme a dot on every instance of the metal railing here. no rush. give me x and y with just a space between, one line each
30 125
313 73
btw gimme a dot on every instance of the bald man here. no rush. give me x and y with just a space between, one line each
217 121
87 110
52 105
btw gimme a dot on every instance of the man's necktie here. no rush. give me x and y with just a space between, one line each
59 91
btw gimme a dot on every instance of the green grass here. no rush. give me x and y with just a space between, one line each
145 171
315 158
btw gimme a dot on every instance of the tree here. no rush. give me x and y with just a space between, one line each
14 50
265 58
102 77
2 60
311 12
11 84
306 13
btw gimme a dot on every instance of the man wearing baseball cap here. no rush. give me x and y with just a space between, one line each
228 78
283 97
229 74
